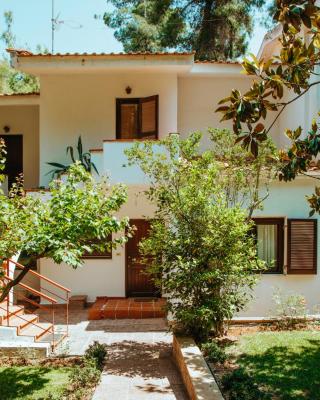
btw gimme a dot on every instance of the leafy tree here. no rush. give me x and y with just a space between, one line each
77 217
213 29
200 248
11 80
294 70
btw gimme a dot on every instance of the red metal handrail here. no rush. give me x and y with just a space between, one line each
38 293
34 291
40 276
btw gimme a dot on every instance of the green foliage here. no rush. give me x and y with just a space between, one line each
63 224
214 30
213 352
203 255
96 352
84 159
3 153
240 385
294 69
67 223
85 377
11 80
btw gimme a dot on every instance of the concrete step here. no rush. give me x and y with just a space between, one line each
37 331
21 321
13 310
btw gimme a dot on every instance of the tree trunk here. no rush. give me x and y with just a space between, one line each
5 290
206 37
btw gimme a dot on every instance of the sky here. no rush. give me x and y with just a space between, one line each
78 32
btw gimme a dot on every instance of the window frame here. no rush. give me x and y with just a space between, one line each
280 223
139 101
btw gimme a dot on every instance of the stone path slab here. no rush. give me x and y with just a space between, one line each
139 363
140 370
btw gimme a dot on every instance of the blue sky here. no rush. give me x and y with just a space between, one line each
32 26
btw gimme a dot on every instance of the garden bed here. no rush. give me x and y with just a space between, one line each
264 364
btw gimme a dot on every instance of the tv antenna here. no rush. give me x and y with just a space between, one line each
56 23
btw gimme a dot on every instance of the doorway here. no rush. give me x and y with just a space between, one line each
138 282
14 157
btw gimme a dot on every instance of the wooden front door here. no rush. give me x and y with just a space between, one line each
14 157
139 283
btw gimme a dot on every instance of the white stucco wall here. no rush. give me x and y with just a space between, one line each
198 99
100 277
85 104
24 120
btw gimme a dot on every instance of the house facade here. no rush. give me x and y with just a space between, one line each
112 100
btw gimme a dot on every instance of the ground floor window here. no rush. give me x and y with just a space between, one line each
269 235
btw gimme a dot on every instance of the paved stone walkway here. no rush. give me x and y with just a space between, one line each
139 362
140 370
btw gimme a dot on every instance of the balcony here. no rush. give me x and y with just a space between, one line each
112 161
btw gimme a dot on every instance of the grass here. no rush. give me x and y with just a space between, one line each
33 383
287 363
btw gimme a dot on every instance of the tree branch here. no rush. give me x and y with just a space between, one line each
6 289
290 102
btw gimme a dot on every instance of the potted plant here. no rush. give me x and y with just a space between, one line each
84 158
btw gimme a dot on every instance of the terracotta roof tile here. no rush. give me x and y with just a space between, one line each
26 53
217 62
19 94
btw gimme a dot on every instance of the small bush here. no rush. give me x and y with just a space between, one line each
213 352
97 352
290 309
86 375
240 386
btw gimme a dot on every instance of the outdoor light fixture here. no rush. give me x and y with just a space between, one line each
128 90
6 128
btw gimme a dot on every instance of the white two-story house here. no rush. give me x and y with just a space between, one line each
112 100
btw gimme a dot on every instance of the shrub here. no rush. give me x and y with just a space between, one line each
290 309
240 386
96 352
85 377
200 248
213 352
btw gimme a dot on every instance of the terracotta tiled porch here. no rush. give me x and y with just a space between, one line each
122 308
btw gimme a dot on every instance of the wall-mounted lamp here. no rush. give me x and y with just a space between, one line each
6 128
128 90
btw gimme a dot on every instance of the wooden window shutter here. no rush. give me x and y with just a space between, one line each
302 246
149 117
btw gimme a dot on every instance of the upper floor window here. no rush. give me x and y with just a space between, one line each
138 118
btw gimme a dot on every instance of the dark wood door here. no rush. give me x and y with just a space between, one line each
14 157
139 282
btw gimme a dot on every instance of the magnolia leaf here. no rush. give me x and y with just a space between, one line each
259 128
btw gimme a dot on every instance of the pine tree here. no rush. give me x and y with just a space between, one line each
214 29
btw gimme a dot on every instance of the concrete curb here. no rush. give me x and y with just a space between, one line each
198 380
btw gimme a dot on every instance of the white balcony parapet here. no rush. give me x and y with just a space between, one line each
115 163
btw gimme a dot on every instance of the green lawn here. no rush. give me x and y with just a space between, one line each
33 383
287 363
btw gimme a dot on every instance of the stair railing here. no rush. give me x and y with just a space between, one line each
50 296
